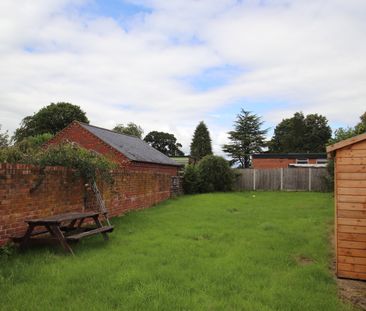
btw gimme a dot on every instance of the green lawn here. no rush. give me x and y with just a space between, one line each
232 251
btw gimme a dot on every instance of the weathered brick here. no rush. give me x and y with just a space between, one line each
135 187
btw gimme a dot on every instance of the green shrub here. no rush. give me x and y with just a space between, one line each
215 174
32 143
191 181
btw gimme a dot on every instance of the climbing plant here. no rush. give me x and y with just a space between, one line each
85 163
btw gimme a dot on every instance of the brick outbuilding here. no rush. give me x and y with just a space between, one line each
129 151
284 160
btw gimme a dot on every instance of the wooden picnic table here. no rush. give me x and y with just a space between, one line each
63 228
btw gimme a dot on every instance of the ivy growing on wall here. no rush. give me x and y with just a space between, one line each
86 164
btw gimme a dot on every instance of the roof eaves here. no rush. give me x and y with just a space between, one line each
346 142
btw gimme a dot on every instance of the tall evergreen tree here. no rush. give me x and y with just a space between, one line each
246 138
201 142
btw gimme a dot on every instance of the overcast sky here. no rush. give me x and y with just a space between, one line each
167 64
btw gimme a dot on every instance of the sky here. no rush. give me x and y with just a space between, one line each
166 65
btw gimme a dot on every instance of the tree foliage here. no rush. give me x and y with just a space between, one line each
345 133
246 138
129 129
301 134
4 138
211 174
201 142
165 143
50 119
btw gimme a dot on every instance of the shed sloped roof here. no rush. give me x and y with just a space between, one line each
132 147
346 142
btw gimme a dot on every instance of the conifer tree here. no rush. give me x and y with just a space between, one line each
246 138
201 142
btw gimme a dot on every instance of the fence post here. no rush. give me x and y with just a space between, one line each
254 179
281 178
309 178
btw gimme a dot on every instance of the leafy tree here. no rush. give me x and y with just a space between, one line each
345 133
164 142
201 142
301 134
50 119
342 134
361 126
130 129
246 138
4 139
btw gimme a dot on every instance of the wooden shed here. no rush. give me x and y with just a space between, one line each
350 206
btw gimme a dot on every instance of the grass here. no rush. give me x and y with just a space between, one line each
232 251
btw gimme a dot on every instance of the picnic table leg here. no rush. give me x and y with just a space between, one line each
99 225
25 240
55 230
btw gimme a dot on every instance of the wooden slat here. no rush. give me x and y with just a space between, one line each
355 237
351 176
351 183
351 222
352 206
352 267
354 260
351 161
349 244
351 252
351 199
351 229
78 236
345 266
351 275
351 168
351 153
352 191
352 214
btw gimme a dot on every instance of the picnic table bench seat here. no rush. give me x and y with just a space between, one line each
63 227
83 234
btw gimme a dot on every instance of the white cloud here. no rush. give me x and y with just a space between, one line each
309 54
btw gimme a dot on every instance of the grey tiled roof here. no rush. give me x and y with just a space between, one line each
132 147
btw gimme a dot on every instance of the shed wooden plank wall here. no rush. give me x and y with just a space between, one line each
350 173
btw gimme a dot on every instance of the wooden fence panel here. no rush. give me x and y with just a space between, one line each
296 179
268 179
287 179
244 179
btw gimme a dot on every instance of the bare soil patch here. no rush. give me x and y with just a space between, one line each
304 261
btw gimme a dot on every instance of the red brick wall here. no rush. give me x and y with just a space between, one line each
61 192
276 163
